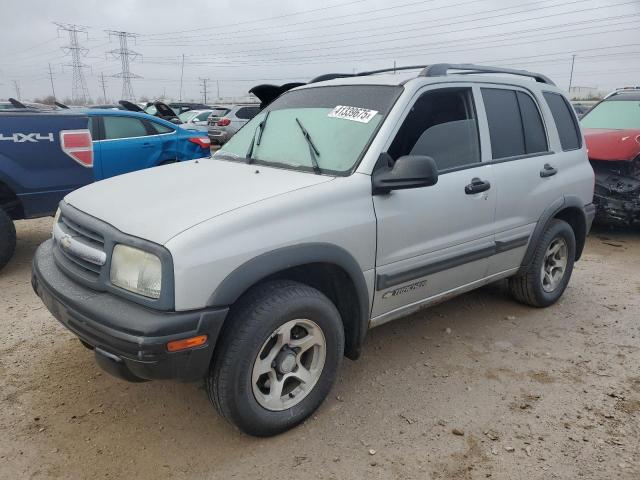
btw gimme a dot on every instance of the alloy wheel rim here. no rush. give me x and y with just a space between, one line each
554 264
288 364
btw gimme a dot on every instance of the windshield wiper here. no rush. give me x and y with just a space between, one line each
313 151
259 129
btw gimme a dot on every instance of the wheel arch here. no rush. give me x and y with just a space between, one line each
326 267
569 208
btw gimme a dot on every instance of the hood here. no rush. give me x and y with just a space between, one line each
604 144
159 203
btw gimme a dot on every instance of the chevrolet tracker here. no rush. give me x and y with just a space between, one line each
344 204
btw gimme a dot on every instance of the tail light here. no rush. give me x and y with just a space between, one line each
203 142
78 145
223 122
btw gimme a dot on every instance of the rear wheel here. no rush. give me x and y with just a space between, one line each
550 270
7 238
278 357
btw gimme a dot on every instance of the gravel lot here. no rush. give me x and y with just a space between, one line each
478 387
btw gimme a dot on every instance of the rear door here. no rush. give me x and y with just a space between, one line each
523 164
436 239
129 144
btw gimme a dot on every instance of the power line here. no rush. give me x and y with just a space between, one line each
79 90
262 19
126 56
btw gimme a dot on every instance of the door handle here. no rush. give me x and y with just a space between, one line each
147 145
548 171
477 186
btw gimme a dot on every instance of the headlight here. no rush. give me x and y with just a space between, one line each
136 271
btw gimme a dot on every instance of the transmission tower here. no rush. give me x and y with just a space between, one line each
79 90
16 86
103 84
126 56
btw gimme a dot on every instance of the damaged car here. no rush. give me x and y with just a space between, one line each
612 134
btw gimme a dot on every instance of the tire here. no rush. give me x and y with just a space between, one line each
7 238
532 287
250 332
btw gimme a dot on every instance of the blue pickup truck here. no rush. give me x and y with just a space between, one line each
45 155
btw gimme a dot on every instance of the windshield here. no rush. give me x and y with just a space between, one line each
332 124
614 114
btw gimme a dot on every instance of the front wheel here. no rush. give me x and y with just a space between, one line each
547 277
277 358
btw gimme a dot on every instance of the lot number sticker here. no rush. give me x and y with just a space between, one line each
356 114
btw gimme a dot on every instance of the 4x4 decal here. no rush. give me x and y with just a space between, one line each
27 137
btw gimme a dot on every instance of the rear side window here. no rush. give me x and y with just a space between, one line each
505 125
515 124
565 121
247 113
123 127
161 128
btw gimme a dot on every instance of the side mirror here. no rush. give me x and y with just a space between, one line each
409 171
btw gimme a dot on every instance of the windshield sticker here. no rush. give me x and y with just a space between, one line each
356 114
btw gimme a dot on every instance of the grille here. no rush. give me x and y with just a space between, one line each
83 251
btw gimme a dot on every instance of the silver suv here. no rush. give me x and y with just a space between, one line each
224 122
344 204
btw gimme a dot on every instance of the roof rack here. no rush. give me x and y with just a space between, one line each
440 70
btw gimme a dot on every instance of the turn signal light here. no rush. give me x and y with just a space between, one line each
185 343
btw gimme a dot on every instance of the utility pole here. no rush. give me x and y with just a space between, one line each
16 86
126 57
204 88
53 89
573 60
218 89
103 84
79 90
394 67
181 77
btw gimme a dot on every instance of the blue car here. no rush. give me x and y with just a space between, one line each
126 141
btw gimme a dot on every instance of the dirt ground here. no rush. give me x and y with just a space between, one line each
530 394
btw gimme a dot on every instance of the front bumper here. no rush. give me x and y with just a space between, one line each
218 136
129 340
617 196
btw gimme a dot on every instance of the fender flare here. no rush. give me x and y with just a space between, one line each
269 263
568 201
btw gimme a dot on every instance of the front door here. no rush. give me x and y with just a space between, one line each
436 239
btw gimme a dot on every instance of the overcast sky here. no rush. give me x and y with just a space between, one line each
238 44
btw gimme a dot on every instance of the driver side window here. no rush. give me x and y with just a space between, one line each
442 125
